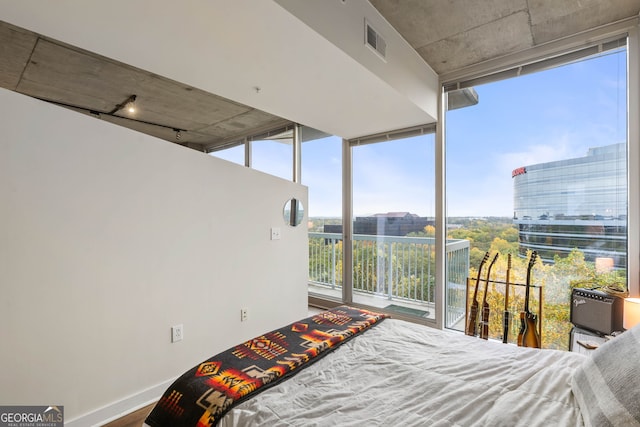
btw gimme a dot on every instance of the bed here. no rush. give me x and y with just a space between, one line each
353 367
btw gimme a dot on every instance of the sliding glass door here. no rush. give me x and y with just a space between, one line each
322 173
393 224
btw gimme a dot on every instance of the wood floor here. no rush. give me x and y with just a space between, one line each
134 419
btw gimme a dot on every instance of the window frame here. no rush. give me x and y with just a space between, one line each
546 56
576 46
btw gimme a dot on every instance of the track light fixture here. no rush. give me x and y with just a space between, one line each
131 107
129 104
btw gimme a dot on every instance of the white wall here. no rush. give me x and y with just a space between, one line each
108 238
342 23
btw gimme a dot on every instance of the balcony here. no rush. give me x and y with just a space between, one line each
396 273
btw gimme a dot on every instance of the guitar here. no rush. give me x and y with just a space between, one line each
528 336
506 316
484 330
472 326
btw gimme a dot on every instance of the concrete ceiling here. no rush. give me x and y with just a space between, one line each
448 35
91 84
456 34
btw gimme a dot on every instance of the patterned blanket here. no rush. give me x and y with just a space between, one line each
202 395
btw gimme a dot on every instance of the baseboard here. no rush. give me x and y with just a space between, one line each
120 408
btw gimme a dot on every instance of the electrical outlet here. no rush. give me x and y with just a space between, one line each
275 233
176 333
244 314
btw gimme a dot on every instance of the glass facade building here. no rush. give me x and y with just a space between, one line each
578 203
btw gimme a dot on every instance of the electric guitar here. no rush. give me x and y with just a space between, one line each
484 330
472 326
506 316
528 336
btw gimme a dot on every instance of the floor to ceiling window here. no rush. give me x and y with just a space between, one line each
390 263
393 246
539 164
322 173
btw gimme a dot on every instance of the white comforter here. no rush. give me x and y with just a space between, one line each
402 374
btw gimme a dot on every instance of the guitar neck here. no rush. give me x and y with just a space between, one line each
486 289
532 261
506 283
506 315
475 291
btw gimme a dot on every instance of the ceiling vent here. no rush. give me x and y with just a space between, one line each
375 40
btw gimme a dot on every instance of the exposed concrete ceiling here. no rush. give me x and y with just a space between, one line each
49 70
455 34
230 47
448 35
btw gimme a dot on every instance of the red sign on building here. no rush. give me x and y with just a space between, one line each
518 171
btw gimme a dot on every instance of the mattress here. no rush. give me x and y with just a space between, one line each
400 373
353 367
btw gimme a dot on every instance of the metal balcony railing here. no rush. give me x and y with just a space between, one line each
401 269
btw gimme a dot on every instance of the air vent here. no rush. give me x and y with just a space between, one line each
375 40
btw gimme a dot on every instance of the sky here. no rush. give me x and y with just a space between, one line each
551 115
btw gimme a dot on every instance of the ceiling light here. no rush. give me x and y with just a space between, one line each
131 104
128 104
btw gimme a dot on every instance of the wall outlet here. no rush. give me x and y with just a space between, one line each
275 233
244 314
176 333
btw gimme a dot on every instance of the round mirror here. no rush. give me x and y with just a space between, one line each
293 212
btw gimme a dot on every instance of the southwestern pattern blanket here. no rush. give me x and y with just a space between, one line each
202 395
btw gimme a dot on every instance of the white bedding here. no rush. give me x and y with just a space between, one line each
402 374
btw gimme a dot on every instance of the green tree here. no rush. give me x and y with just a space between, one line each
503 247
553 281
510 234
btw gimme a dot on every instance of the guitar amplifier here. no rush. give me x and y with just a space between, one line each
596 311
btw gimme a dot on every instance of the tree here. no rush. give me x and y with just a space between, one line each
553 281
503 247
